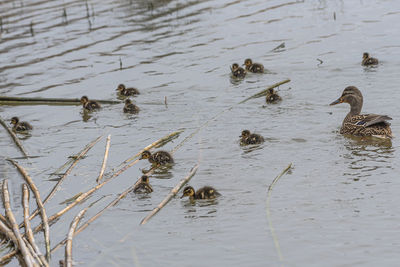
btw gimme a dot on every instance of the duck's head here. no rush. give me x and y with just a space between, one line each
245 133
365 55
235 66
350 95
145 155
248 62
188 192
14 120
271 91
128 101
84 99
121 87
145 178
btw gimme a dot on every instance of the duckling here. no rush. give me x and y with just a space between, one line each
272 96
159 157
143 186
20 126
237 71
130 107
206 192
122 90
253 67
368 61
89 104
248 138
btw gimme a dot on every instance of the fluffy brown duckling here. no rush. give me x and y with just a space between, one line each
248 138
272 96
20 126
206 192
144 186
362 124
130 107
237 71
368 61
253 67
159 157
89 104
122 90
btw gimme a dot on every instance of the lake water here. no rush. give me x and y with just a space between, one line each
336 207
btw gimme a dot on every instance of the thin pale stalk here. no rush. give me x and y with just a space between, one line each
27 223
35 256
6 258
68 246
12 100
39 203
14 137
264 92
11 218
103 166
271 228
171 194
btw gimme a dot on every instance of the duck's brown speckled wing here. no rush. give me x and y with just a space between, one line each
162 157
367 125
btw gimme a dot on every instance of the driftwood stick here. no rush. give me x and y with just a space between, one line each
171 194
11 100
14 137
68 246
271 228
103 166
27 223
21 244
264 92
39 203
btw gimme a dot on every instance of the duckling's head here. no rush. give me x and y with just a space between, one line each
365 55
248 62
145 178
235 66
245 133
121 87
350 95
188 192
14 120
128 101
145 155
84 99
271 91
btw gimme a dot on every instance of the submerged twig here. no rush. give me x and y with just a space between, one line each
171 194
21 244
271 228
103 166
14 137
12 100
68 246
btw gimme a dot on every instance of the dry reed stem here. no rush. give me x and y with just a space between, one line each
103 166
14 137
264 92
39 203
28 259
6 258
271 228
28 229
171 194
68 246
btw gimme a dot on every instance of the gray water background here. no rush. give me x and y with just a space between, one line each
338 205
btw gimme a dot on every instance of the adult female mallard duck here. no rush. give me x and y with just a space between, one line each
122 90
362 124
272 96
237 71
159 157
368 61
143 186
20 126
206 192
89 104
253 67
248 138
130 107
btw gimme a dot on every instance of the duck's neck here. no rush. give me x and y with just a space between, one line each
355 107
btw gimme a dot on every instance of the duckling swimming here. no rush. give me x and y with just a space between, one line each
253 67
248 138
237 71
89 104
368 61
130 107
144 186
159 157
20 126
122 90
272 96
206 192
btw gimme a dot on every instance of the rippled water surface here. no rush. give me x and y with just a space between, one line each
336 207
